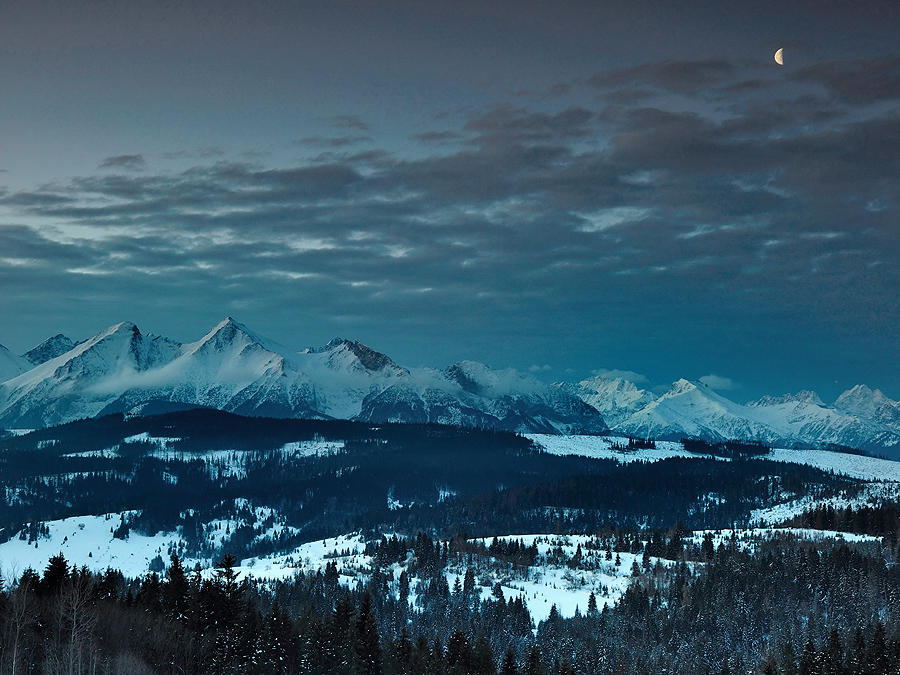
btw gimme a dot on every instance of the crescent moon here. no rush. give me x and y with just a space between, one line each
779 57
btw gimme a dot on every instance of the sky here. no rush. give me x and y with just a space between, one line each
564 188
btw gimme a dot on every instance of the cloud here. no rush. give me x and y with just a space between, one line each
335 142
127 162
437 137
719 383
674 75
613 373
671 229
858 81
209 152
504 123
350 122
539 369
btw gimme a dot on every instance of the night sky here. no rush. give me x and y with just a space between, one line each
558 187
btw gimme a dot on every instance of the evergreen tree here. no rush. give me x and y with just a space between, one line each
55 575
368 648
175 592
534 665
509 663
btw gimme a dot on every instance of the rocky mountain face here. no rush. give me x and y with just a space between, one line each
235 369
48 349
615 398
860 418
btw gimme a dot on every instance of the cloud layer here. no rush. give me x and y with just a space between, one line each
711 206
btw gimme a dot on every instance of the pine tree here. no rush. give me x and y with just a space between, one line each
368 648
483 658
436 661
276 641
509 663
338 647
458 652
175 592
55 575
535 665
809 660
833 655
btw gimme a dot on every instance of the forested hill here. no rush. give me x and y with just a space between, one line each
195 542
280 482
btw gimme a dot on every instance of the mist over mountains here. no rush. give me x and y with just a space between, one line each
233 368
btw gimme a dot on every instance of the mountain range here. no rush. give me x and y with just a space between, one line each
122 370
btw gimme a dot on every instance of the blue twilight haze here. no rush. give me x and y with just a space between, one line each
561 187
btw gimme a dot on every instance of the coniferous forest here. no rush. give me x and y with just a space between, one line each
705 592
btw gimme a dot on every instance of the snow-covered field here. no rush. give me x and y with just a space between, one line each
541 588
872 493
86 541
749 538
603 447
855 466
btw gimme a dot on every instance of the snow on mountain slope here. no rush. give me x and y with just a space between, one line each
233 368
345 373
804 416
616 399
871 405
84 380
471 394
11 365
694 410
48 349
689 409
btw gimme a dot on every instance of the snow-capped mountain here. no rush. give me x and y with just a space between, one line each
615 398
804 415
689 409
235 369
84 380
48 349
871 405
471 394
11 365
692 409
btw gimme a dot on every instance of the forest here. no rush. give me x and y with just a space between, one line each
183 470
704 594
783 605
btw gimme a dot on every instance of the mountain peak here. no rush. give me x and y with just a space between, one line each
369 358
229 324
461 373
805 396
355 354
681 386
861 393
123 327
864 402
229 331
49 349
